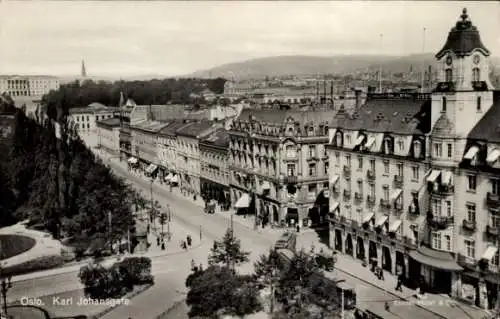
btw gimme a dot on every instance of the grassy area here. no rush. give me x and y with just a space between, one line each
27 312
12 245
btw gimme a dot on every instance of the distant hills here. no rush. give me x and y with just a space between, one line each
310 65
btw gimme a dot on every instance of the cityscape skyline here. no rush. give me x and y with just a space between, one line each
122 38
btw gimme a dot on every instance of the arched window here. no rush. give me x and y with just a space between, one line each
449 75
444 104
475 74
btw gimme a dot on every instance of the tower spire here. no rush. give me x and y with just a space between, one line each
83 71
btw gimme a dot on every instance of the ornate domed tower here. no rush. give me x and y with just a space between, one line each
464 92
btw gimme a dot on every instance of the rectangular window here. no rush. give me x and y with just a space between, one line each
470 249
495 186
291 151
471 212
372 165
360 186
415 173
325 153
438 151
471 182
312 169
447 242
401 145
337 158
436 240
386 167
291 169
436 207
495 220
386 192
448 208
449 150
327 165
348 139
372 190
312 151
348 160
399 167
360 162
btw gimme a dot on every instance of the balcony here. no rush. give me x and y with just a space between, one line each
370 176
445 87
347 171
347 194
291 179
398 181
439 189
469 225
385 203
492 231
441 222
358 196
493 200
370 199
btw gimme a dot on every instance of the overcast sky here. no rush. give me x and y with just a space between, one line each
173 38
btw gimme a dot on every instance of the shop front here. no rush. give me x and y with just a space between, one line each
439 272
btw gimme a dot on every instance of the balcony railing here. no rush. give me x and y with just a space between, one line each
469 224
347 171
358 196
492 230
398 181
385 203
440 189
370 175
291 179
370 199
441 222
493 200
347 193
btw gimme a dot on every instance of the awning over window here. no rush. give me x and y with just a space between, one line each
359 140
381 220
331 135
489 253
369 142
243 201
334 179
334 206
151 168
168 177
395 226
174 179
433 176
435 259
266 185
446 177
395 194
132 160
367 217
471 153
493 156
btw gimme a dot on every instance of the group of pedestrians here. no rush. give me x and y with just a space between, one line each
187 243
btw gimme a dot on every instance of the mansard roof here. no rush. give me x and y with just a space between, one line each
282 116
399 115
444 127
488 128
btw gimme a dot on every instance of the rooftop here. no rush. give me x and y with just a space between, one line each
93 108
398 115
112 121
172 127
151 126
194 129
281 116
218 138
463 39
488 128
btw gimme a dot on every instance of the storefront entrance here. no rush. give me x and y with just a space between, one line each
348 245
386 259
338 240
372 252
360 247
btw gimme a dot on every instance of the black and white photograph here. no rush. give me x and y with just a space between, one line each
249 159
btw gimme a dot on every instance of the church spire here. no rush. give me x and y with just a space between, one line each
83 71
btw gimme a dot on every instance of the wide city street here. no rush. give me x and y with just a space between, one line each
171 271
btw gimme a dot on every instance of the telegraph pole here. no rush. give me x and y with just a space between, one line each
423 63
109 230
342 315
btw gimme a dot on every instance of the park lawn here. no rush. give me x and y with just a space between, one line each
12 245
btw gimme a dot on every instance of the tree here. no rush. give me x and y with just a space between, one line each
219 291
266 273
228 252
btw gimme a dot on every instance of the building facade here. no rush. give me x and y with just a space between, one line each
167 149
28 85
85 119
188 154
279 165
414 177
108 132
214 178
144 135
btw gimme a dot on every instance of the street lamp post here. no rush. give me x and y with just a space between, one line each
6 285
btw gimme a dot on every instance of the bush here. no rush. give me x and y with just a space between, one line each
136 269
42 263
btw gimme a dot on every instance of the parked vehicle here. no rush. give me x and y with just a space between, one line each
287 241
210 207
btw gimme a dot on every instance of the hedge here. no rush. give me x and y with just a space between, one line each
42 263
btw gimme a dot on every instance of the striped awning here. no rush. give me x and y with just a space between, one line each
243 201
334 179
395 225
168 177
334 206
359 140
493 156
151 168
368 217
433 176
381 220
174 179
369 142
489 253
395 195
471 153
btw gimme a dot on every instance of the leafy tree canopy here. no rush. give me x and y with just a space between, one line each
228 252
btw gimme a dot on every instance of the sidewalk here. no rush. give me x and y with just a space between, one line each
441 305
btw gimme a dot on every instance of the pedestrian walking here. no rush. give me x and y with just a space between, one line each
298 228
189 240
386 306
399 284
